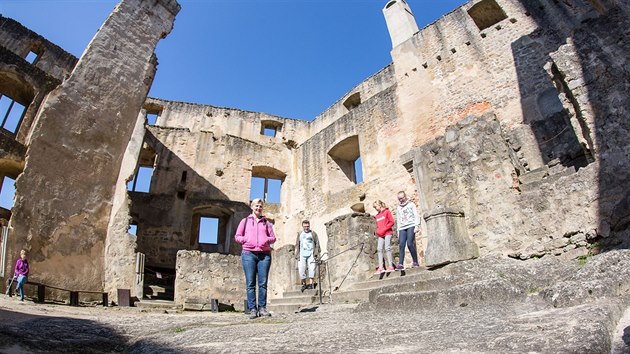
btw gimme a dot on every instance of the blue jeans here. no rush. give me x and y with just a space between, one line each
408 237
256 264
20 286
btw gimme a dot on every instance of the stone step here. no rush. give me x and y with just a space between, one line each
284 308
299 292
159 292
157 304
482 292
304 299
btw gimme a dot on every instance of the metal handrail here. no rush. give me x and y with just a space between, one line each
320 261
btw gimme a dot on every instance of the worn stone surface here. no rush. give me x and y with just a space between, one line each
88 119
522 124
351 248
449 241
204 276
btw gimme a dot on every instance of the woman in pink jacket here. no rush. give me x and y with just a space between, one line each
384 224
256 235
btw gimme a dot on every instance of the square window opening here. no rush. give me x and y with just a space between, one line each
141 182
32 57
269 131
208 230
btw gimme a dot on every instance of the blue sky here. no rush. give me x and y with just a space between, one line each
292 58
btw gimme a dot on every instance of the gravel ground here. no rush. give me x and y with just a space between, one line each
525 327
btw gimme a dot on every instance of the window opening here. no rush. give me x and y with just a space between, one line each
151 118
133 229
32 57
141 182
268 189
269 131
486 13
358 171
270 127
353 101
208 230
7 193
345 164
11 113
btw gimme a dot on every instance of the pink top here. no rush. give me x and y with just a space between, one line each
257 236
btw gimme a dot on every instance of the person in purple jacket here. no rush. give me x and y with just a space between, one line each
21 273
256 235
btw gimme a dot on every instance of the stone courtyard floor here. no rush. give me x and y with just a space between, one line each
47 328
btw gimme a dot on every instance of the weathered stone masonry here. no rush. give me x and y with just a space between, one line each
513 112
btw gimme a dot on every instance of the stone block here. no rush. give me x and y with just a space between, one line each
448 237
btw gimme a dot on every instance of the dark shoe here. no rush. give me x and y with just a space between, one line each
303 287
310 286
252 314
262 312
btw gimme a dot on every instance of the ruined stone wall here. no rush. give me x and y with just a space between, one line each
568 205
203 276
351 249
198 141
227 121
52 59
64 196
452 69
372 86
327 191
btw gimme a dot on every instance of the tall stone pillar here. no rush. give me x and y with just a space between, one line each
448 237
64 196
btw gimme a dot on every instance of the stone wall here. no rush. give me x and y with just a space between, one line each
203 276
522 124
51 59
351 249
64 196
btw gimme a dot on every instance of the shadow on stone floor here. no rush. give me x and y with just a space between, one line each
28 333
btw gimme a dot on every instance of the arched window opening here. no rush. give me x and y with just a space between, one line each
352 101
345 164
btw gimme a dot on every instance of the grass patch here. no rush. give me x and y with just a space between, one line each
533 291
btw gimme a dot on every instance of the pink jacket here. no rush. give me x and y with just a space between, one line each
257 236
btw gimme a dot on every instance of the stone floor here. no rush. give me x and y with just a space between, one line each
525 327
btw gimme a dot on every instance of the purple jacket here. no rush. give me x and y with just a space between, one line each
21 267
257 236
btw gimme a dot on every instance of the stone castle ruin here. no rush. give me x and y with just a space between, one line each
506 121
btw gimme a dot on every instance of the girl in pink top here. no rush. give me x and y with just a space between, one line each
384 224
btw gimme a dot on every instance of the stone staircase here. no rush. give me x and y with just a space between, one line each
295 300
159 288
489 281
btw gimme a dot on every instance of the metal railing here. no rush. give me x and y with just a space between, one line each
320 261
